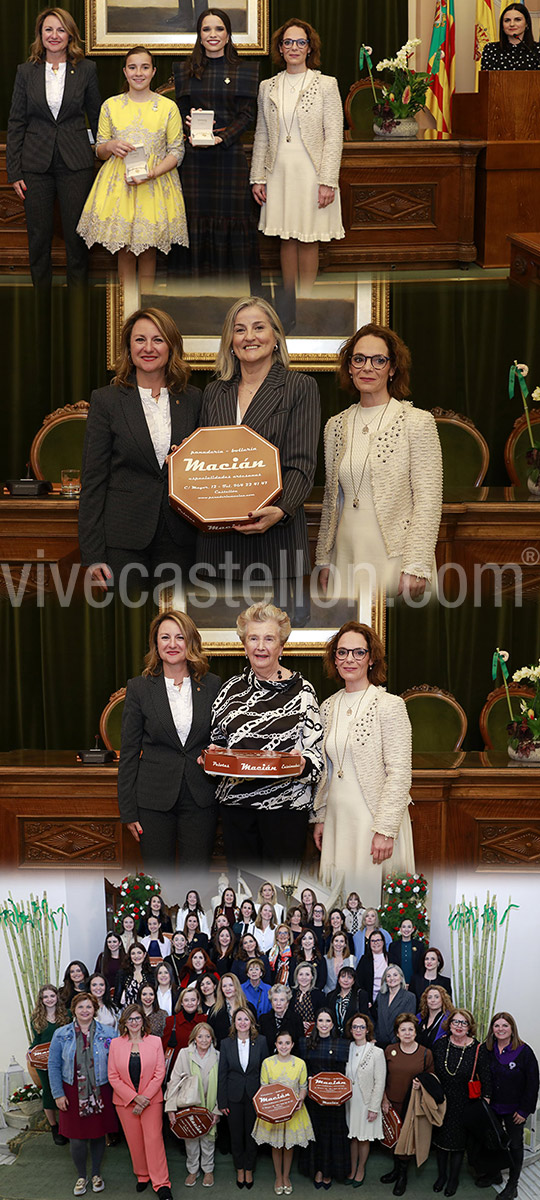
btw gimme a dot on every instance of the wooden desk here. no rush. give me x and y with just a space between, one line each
525 257
478 526
505 112
474 809
407 202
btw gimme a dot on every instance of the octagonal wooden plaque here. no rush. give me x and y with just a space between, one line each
192 1122
330 1087
38 1056
221 474
275 1102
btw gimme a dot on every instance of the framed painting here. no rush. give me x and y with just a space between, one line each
338 307
168 26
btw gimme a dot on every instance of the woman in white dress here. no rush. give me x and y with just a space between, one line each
366 1068
383 491
297 154
360 811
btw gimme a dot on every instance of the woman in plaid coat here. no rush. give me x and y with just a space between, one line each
221 213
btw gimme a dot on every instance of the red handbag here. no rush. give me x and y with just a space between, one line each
474 1085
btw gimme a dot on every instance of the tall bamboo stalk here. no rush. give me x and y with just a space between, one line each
30 929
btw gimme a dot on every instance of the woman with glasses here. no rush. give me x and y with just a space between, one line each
297 155
361 803
366 1069
383 494
457 1061
136 1072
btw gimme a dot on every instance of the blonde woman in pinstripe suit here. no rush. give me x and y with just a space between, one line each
255 387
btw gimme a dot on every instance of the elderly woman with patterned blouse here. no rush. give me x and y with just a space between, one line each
267 707
362 799
383 493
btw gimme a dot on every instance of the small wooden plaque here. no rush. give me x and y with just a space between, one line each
192 1122
38 1057
330 1087
244 764
275 1102
221 474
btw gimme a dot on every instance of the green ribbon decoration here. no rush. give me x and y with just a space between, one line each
515 371
506 911
364 56
496 662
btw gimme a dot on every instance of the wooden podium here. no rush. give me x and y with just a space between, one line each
505 112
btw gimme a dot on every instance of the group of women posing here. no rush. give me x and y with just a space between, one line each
96 1075
295 167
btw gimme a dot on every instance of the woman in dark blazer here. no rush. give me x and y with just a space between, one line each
124 512
255 385
238 1081
428 972
164 796
48 149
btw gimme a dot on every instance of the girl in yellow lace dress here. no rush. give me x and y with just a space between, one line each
284 1068
135 218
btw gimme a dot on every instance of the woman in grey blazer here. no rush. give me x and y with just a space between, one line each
241 1056
164 796
124 512
48 149
254 387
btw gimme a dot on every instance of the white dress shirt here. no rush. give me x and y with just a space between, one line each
243 1053
181 704
55 82
158 419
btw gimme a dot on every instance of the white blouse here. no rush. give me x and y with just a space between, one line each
158 418
55 82
181 704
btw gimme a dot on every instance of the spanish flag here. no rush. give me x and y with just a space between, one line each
485 31
442 64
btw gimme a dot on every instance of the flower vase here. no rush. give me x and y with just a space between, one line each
526 760
402 127
533 483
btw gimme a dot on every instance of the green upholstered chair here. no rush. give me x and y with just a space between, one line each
517 445
59 442
438 721
359 108
464 449
110 722
494 716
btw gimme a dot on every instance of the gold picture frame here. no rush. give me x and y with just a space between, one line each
168 26
369 301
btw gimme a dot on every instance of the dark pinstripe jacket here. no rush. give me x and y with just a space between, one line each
32 130
153 761
286 411
124 489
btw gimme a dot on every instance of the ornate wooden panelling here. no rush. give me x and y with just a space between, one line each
61 842
381 206
510 843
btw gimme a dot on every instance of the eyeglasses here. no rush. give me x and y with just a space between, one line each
300 42
378 361
133 1020
358 653
456 1021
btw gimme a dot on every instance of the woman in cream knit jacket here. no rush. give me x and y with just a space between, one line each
297 154
361 802
383 492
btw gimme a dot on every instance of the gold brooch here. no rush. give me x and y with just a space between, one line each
393 1053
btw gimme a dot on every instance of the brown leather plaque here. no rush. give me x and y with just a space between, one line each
330 1087
191 1122
221 474
257 763
275 1102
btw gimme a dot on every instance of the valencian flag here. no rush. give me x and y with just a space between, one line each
485 31
442 64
